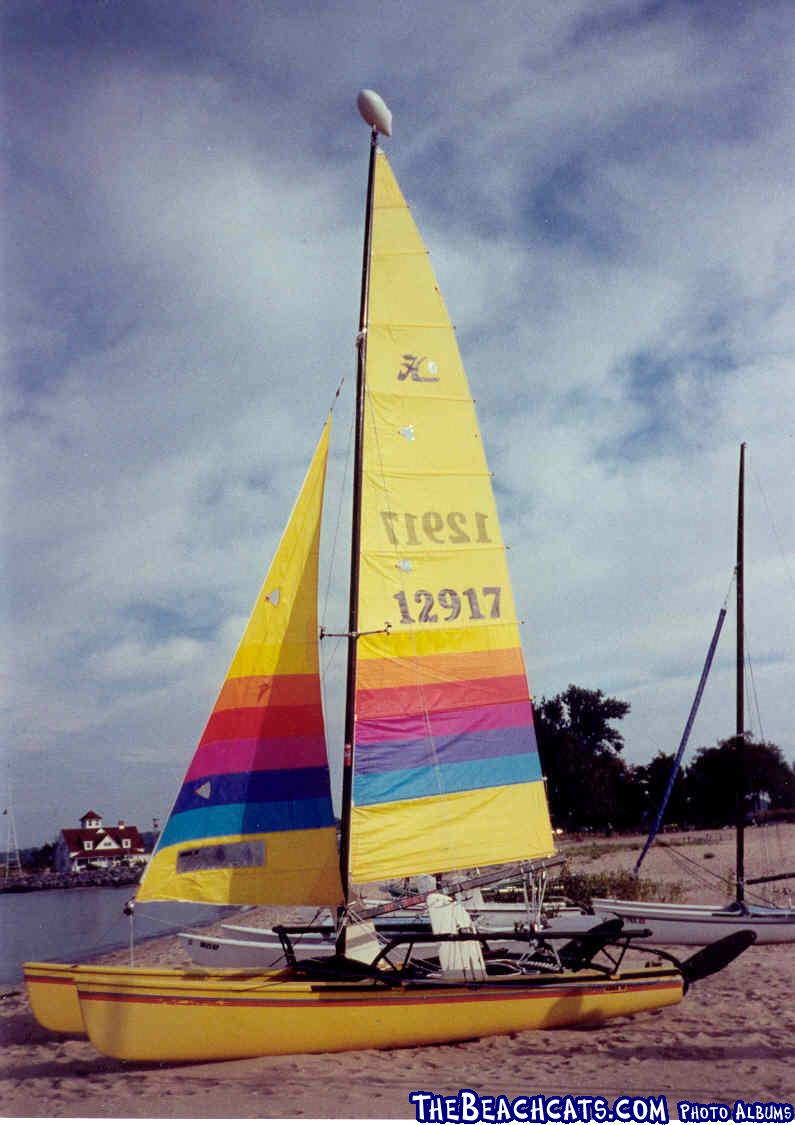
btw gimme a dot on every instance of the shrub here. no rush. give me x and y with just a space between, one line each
581 889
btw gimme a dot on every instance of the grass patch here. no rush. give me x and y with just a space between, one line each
597 849
594 850
581 889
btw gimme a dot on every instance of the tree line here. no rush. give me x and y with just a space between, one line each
590 785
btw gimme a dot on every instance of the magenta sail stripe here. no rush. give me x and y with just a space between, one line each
241 755
466 720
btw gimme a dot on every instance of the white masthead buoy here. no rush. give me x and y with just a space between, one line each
374 110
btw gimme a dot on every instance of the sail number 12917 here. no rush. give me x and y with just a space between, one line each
476 605
410 529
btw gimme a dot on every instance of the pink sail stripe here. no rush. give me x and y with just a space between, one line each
464 721
446 696
243 755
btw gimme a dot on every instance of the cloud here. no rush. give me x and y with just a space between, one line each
606 196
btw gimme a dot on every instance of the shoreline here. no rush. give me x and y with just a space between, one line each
47 881
732 1037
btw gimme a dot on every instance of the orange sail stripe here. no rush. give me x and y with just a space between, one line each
438 667
269 691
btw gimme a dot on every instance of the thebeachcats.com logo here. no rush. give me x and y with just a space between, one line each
467 1106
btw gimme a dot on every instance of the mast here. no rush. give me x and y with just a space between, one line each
379 118
13 866
740 724
685 736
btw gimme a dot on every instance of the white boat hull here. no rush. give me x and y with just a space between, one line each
685 924
250 947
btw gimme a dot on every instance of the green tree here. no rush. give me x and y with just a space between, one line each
588 782
652 781
43 857
737 769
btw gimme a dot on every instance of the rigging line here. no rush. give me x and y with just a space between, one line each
339 513
686 862
752 689
327 658
336 395
732 580
98 938
325 670
758 483
751 680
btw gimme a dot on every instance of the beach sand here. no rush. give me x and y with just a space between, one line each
732 1037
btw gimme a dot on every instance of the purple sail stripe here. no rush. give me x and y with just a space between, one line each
439 724
430 753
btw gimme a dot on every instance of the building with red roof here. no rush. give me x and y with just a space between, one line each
92 845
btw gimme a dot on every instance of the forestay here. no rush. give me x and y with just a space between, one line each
446 767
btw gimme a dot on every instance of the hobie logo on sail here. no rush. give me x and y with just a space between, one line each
413 367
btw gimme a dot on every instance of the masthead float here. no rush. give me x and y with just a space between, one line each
375 111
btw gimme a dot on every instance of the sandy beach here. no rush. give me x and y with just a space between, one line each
732 1037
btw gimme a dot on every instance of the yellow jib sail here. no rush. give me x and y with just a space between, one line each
446 768
253 821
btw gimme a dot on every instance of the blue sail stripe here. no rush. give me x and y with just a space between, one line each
260 787
247 819
376 757
454 777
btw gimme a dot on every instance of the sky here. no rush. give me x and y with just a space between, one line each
606 192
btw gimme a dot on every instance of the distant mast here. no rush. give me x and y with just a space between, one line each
13 864
740 725
375 112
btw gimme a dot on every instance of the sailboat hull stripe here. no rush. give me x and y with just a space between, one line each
462 721
450 777
245 819
552 990
239 755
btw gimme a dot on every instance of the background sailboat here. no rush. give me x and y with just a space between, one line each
692 924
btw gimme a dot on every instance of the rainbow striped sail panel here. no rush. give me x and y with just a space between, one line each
446 767
253 821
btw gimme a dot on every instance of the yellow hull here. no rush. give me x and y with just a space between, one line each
53 996
178 1016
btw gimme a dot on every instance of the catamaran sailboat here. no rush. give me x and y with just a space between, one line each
441 770
672 923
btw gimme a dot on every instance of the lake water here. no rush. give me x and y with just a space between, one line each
74 925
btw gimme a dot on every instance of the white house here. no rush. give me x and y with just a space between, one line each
92 845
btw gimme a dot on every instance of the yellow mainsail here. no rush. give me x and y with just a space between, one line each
446 768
